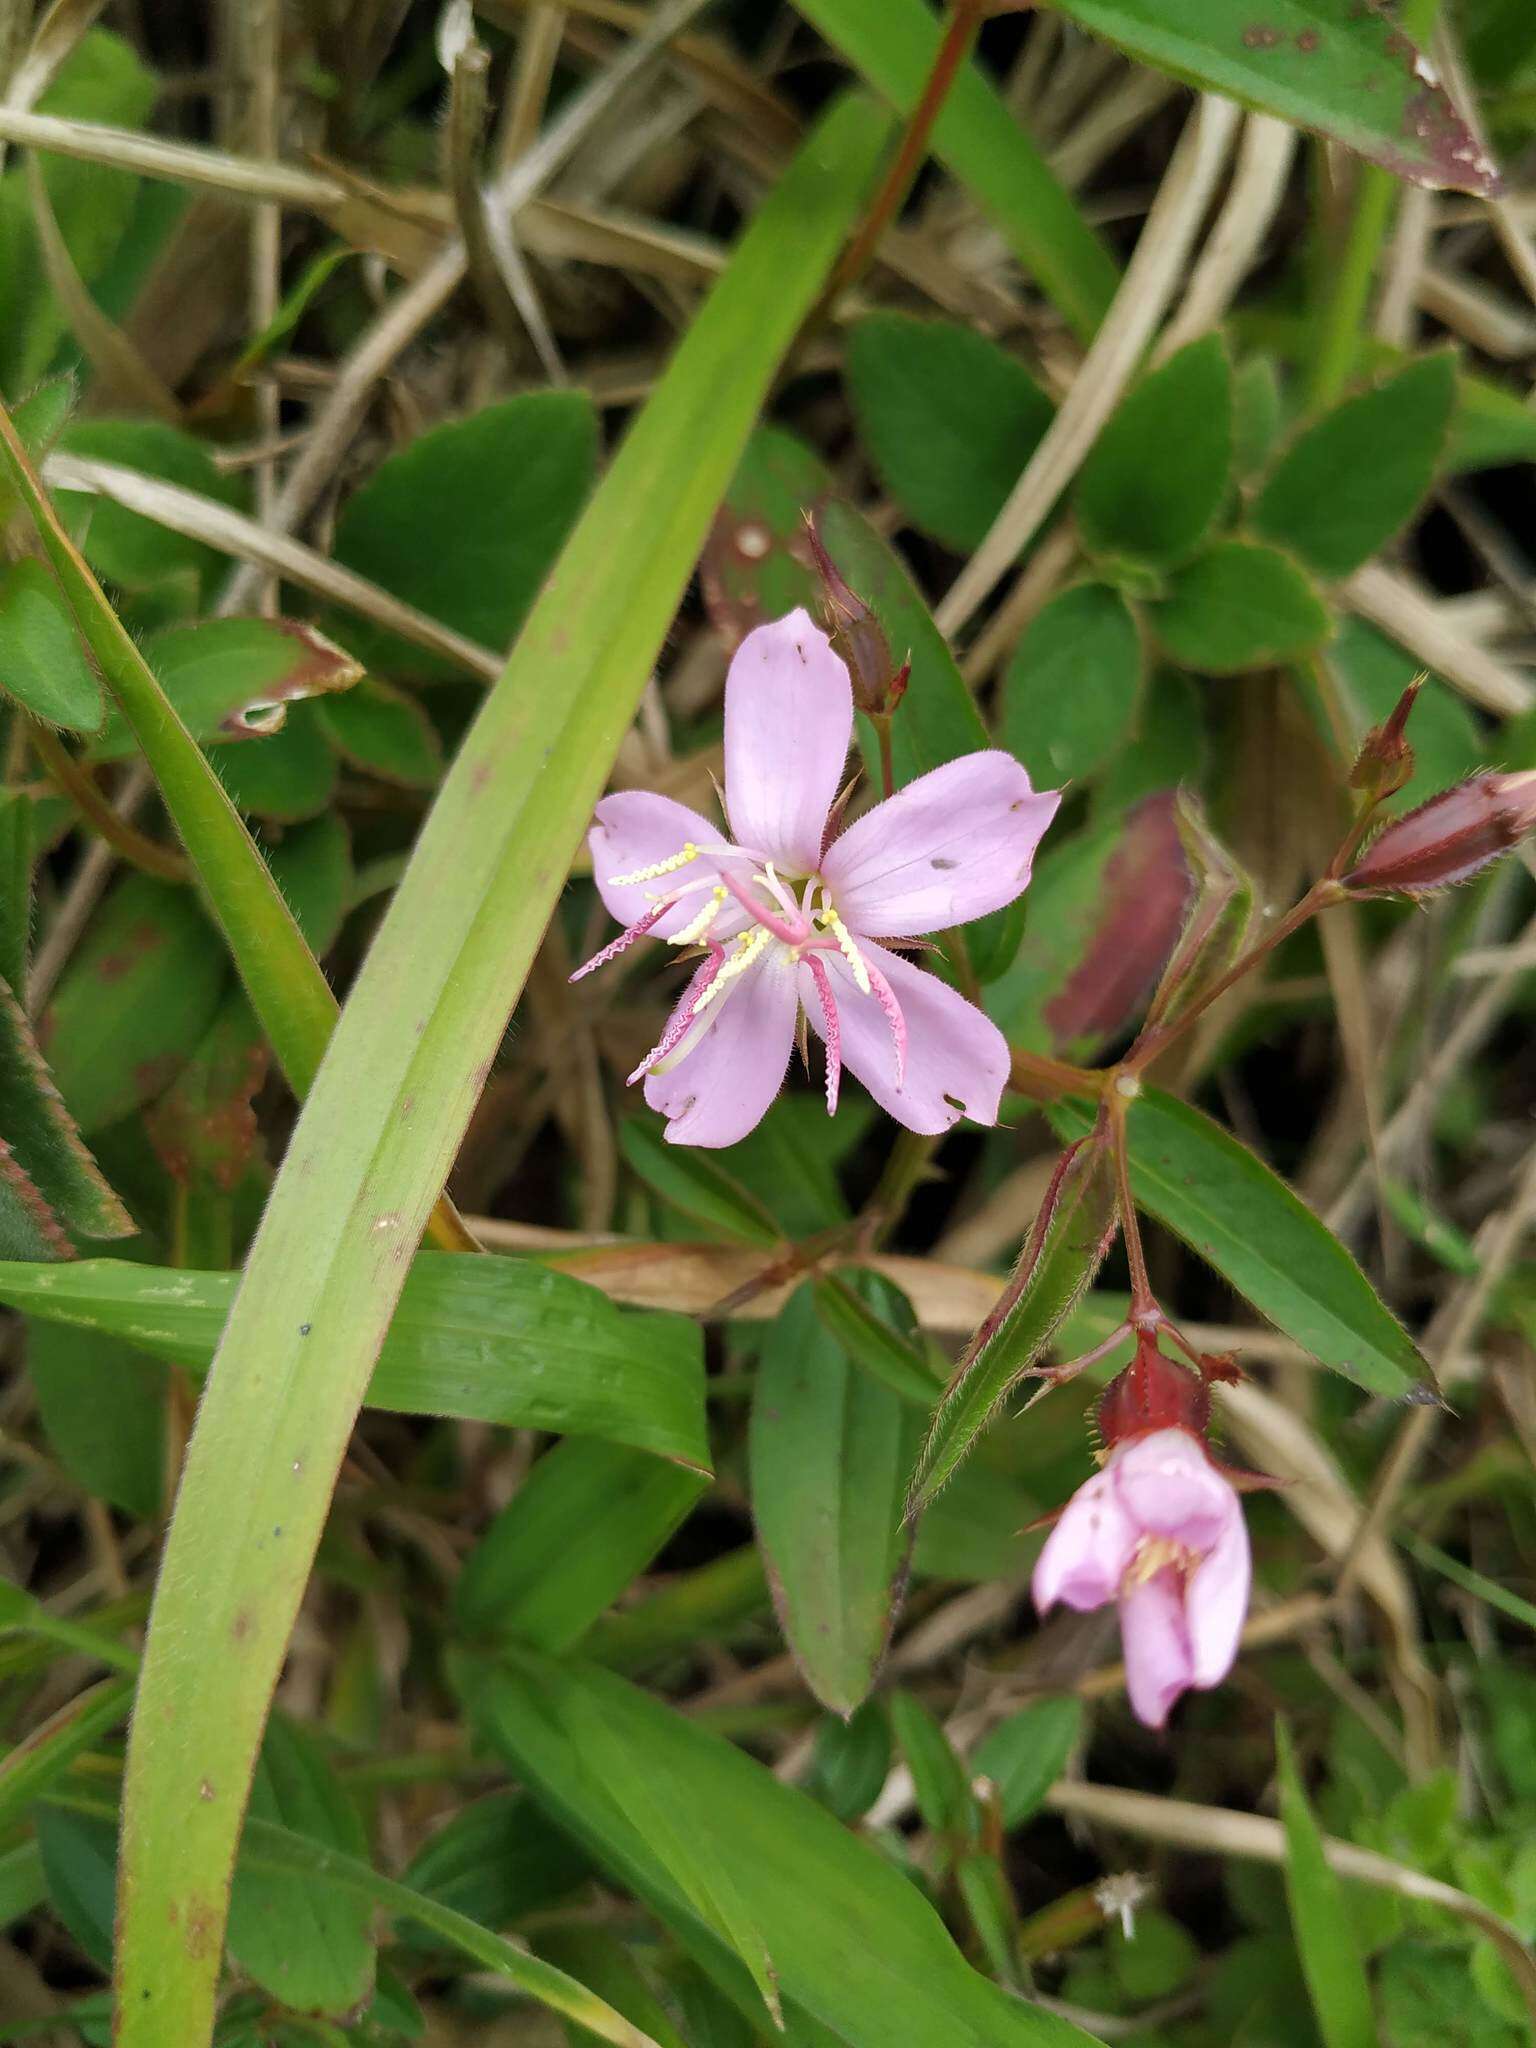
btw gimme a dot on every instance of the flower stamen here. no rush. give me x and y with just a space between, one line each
624 941
657 868
748 949
833 1028
695 929
857 965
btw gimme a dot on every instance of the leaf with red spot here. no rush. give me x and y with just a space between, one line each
204 1125
757 563
1340 67
51 1189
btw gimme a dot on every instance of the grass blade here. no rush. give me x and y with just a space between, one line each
414 1045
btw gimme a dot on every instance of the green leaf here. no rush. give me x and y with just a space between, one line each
757 561
18 849
128 548
385 1117
949 420
497 1860
1335 1973
1351 479
234 678
851 1760
312 866
1071 690
584 1523
1256 414
940 1782
1241 1218
870 1340
102 1405
1158 475
696 1186
42 662
1152 1958
857 1949
42 1141
1056 1267
938 719
1342 69
495 1340
385 733
465 522
29 1769
78 1852
598 1959
204 1125
829 1450
305 1941
1025 1755
284 779
134 1001
1239 606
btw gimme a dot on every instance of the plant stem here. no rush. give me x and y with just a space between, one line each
1143 1301
77 782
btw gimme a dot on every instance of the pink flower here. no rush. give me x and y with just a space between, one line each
1161 1531
788 922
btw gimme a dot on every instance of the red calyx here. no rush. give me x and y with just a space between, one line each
1153 1393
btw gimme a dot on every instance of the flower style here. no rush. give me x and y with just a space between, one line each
788 917
1161 1531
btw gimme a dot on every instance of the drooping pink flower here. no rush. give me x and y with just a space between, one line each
788 922
1161 1531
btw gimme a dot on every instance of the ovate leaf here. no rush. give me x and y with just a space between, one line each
103 1407
830 1450
757 562
1341 67
696 1186
465 522
204 1125
1239 606
1071 689
1025 1755
1061 1256
1349 481
1242 1219
498 1340
385 732
43 662
1159 472
949 420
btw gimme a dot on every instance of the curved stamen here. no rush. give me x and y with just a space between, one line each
832 1027
625 940
857 965
695 929
767 920
657 868
748 947
885 996
683 1018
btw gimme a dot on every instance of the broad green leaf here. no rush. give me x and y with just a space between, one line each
870 1340
1071 689
498 1859
757 562
78 1852
938 718
1351 479
43 664
305 1941
1025 1755
597 1958
498 1340
369 1155
1055 1268
1335 66
384 732
829 1452
102 1404
1242 1219
851 1760
465 522
857 1949
1256 415
697 1186
940 1782
1168 748
1153 1957
285 779
1371 673
949 420
585 1522
234 678
134 1001
41 1139
1239 606
1158 475
1492 426
1334 1970
312 866
128 549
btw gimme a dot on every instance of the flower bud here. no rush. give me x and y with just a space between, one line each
858 637
1385 760
1449 838
1154 1392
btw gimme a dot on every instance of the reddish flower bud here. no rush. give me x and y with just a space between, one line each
1385 760
857 635
1449 838
1154 1392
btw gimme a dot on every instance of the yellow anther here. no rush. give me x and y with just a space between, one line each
847 948
696 929
748 946
657 868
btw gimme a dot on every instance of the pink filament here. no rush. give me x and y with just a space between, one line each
792 935
833 1030
625 939
885 996
679 1023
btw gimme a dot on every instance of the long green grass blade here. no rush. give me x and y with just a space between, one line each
402 1073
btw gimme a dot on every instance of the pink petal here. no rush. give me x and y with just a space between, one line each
1216 1603
1157 1657
637 829
788 720
951 846
1086 1554
722 1089
1169 1487
952 1050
